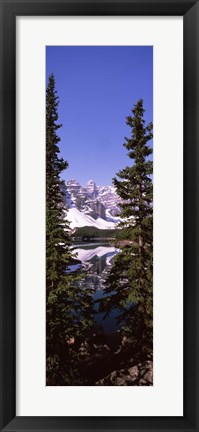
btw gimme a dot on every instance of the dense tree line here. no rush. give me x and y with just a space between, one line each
87 232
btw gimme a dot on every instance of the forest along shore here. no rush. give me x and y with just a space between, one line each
105 358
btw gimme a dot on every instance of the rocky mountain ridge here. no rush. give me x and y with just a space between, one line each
91 205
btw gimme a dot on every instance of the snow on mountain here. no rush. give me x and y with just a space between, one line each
91 205
108 197
110 218
80 219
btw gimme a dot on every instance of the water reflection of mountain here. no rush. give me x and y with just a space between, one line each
87 254
96 261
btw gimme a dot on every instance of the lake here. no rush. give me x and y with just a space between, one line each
96 260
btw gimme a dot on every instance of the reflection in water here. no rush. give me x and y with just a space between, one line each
96 261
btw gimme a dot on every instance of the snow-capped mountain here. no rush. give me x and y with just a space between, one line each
107 195
91 205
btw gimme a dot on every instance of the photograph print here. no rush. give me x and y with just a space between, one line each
99 216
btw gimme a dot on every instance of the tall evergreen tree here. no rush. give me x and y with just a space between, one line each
129 284
68 308
57 238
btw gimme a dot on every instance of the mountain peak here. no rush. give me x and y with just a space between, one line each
73 182
90 182
91 188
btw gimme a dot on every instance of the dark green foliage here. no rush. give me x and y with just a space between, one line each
68 309
93 232
129 284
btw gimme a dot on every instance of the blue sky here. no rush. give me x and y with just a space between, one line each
97 87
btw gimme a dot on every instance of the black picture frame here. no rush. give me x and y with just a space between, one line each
189 9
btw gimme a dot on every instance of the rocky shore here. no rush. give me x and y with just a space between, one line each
106 360
139 375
